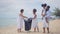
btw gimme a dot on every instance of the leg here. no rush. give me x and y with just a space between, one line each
19 30
48 29
43 29
47 24
44 25
47 20
34 29
37 29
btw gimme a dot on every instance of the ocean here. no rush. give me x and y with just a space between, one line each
6 22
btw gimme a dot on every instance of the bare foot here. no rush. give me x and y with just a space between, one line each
48 32
34 31
19 31
38 31
43 32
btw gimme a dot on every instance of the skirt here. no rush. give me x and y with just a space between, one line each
45 24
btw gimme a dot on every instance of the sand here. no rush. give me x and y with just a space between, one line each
54 29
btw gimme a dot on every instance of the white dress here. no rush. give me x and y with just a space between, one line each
45 24
34 23
20 21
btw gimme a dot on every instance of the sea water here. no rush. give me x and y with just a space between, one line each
6 22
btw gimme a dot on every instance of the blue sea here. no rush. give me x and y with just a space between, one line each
6 22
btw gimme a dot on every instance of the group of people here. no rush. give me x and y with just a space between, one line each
45 18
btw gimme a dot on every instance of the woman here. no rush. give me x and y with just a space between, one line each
46 18
43 16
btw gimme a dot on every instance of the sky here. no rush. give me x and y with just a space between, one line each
11 8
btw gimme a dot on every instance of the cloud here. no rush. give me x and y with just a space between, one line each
12 7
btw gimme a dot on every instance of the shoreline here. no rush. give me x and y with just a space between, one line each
54 29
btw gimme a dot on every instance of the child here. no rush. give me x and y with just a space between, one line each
47 17
20 20
34 21
43 16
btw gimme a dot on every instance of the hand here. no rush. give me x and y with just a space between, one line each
32 18
26 17
42 17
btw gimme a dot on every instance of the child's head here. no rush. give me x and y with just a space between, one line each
44 5
47 8
22 10
34 11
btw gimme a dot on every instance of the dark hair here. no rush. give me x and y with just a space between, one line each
47 8
44 5
21 10
34 10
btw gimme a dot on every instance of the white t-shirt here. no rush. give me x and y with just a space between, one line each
48 14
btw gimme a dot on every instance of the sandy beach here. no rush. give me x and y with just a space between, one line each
54 29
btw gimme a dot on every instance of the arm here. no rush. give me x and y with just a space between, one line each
35 16
46 20
42 12
23 16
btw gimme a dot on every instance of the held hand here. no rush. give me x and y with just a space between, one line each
26 17
32 18
42 17
42 14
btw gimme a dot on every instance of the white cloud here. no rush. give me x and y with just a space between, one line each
12 7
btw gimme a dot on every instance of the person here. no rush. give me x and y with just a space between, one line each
47 17
43 16
34 21
20 20
43 10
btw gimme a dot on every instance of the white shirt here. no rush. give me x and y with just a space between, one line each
48 13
